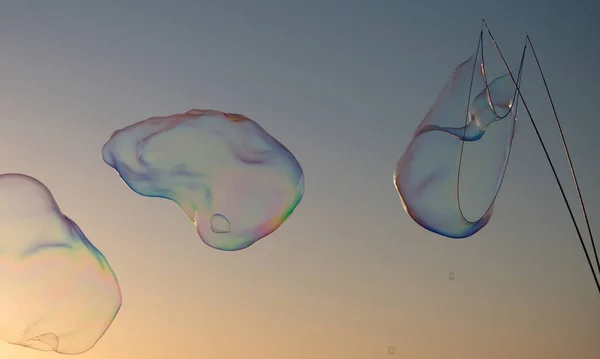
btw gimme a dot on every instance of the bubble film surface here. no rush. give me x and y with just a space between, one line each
58 292
450 173
234 180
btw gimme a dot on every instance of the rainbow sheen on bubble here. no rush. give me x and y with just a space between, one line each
233 179
450 173
58 292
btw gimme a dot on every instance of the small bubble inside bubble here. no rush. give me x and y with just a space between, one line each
220 224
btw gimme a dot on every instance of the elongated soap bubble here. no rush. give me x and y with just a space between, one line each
233 179
450 173
57 291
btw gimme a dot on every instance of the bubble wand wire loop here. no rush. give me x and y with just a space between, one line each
484 24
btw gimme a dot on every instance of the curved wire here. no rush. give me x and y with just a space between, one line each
513 109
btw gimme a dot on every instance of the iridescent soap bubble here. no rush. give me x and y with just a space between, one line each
450 173
233 179
57 291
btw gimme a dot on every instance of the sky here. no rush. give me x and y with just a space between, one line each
343 85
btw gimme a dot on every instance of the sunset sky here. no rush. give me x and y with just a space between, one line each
343 85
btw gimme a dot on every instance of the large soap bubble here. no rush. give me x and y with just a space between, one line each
234 181
57 291
438 186
457 132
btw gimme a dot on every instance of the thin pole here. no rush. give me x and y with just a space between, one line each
564 142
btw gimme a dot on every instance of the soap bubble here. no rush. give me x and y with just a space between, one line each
57 291
234 180
450 173
451 276
220 224
391 350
